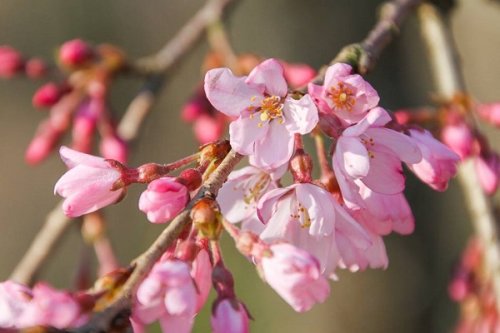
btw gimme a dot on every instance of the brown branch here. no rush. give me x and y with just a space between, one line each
449 82
107 320
42 246
157 65
363 56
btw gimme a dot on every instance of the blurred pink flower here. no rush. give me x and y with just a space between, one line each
345 94
88 184
169 295
75 53
230 316
490 112
488 172
296 276
114 148
459 137
438 163
14 299
267 116
47 95
11 62
164 199
50 307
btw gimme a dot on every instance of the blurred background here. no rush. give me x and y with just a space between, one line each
410 296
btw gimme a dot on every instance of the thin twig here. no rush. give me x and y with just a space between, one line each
363 56
105 321
157 65
42 246
449 82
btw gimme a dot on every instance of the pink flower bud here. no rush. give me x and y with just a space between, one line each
295 275
11 62
298 75
163 199
75 53
490 112
459 138
35 68
208 128
230 316
88 184
488 172
47 95
403 117
194 108
113 147
42 144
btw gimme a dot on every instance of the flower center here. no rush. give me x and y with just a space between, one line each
255 192
270 108
342 97
368 142
302 215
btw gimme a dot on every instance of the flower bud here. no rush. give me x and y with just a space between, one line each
75 53
206 217
164 199
214 151
229 316
208 128
35 68
301 166
113 147
47 95
298 75
191 178
11 62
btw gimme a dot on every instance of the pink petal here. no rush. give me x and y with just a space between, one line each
402 145
319 205
374 118
385 174
301 115
270 74
85 202
335 72
356 161
266 206
275 149
244 132
229 94
73 158
177 324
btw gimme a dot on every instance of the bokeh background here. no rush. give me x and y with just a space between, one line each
410 296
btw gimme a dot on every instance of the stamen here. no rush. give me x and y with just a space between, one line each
342 97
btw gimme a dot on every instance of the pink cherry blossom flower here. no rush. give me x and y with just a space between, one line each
267 116
88 184
113 147
75 53
298 75
308 217
50 307
169 295
238 197
296 276
438 163
230 316
164 199
11 61
371 154
345 94
201 271
490 112
488 172
459 137
14 299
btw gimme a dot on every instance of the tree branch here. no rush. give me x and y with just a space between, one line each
449 82
109 319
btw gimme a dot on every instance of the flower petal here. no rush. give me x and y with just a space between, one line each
275 148
301 116
354 155
402 145
229 94
244 132
270 74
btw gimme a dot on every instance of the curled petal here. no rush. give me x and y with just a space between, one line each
269 73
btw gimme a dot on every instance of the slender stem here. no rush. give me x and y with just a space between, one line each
103 321
449 83
321 152
157 65
42 246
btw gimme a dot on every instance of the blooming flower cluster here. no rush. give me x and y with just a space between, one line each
298 235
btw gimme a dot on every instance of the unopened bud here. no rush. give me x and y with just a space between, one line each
206 218
11 62
35 68
191 178
75 53
47 95
113 147
209 128
301 166
214 151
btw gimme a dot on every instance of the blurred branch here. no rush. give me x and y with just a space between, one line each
449 83
42 246
111 319
363 56
157 65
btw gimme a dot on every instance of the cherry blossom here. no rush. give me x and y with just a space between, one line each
88 184
267 116
344 94
230 316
